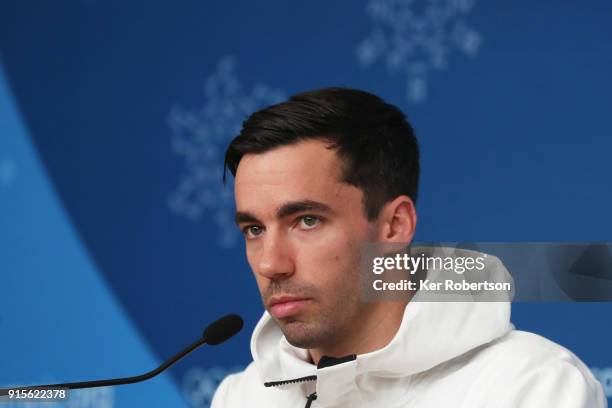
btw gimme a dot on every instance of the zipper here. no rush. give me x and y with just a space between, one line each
310 398
324 361
294 381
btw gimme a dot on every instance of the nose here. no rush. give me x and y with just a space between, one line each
275 260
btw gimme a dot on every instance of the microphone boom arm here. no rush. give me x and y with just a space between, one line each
114 381
216 333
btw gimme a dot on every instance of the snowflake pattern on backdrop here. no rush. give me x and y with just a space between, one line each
414 37
201 136
199 384
604 375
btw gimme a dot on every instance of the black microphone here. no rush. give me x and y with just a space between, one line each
217 332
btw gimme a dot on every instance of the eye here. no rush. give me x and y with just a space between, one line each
309 221
252 231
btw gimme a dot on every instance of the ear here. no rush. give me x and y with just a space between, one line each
397 221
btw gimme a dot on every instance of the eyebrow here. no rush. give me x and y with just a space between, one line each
287 209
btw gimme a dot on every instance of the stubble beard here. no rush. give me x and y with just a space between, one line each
326 325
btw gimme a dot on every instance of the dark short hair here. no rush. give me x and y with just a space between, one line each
373 139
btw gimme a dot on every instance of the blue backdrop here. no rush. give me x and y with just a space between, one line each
116 239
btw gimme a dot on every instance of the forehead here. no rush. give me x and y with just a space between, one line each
306 170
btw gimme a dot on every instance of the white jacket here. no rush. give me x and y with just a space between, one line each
445 354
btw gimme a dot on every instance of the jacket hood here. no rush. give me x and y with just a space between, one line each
430 333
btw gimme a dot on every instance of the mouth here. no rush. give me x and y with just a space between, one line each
285 306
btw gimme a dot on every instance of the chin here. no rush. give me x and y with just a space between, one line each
299 334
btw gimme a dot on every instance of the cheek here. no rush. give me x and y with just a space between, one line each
253 251
336 238
252 259
330 267
250 255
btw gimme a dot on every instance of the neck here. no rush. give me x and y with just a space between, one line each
377 329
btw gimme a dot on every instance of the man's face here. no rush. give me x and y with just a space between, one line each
303 228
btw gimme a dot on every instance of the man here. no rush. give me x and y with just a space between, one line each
315 178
